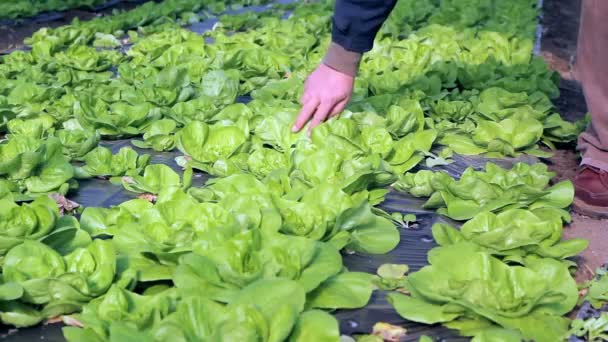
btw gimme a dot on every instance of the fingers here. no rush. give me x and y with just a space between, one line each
305 98
339 107
318 110
323 111
308 109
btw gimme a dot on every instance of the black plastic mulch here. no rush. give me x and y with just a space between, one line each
587 312
460 163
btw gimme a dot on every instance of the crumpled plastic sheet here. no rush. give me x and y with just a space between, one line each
587 311
45 333
461 163
207 24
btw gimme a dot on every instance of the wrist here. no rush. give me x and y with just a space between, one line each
342 60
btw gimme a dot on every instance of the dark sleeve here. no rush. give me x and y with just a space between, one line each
356 22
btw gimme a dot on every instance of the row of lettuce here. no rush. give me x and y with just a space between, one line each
254 254
27 8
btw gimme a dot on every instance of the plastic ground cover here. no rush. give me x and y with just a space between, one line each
412 250
587 312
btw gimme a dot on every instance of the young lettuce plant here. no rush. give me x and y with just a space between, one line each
100 162
494 189
32 221
35 167
53 284
527 300
514 234
159 136
76 141
155 178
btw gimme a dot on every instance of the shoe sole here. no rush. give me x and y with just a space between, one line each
593 211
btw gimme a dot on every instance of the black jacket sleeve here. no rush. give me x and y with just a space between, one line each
356 22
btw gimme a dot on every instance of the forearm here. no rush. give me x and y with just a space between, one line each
355 25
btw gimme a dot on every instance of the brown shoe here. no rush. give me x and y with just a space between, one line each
591 192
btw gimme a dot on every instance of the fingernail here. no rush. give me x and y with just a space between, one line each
294 128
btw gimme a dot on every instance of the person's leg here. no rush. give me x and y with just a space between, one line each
592 69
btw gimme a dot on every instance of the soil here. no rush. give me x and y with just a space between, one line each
558 47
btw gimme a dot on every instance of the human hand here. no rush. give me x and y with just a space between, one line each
326 93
